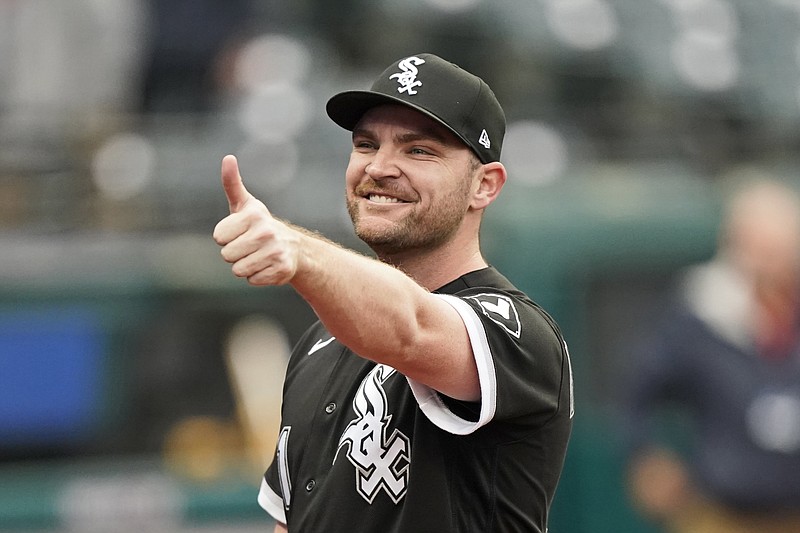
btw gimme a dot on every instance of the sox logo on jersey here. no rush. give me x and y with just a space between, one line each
381 459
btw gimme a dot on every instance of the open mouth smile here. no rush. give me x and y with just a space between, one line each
382 199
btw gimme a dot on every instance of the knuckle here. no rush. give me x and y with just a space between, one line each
240 270
217 235
264 233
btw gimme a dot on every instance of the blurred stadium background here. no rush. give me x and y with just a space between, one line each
128 385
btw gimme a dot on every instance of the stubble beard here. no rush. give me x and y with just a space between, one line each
417 231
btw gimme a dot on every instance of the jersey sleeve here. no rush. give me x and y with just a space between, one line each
270 500
521 359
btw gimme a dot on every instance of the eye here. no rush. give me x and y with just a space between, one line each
418 150
363 144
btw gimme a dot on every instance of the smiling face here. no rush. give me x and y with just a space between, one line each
409 181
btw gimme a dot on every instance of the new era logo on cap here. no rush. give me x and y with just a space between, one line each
439 89
484 140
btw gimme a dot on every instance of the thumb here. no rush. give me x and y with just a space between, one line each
232 183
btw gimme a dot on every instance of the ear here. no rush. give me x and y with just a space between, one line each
490 180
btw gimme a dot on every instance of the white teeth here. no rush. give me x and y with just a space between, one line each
377 198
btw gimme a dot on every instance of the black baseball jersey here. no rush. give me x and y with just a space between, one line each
364 449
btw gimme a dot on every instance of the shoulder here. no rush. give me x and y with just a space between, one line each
509 319
514 314
498 304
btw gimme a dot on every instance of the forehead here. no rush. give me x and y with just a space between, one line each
407 120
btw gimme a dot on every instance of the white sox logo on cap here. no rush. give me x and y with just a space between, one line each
457 99
408 78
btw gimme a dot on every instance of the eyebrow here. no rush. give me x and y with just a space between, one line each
424 134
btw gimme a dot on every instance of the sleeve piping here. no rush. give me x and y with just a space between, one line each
429 400
271 502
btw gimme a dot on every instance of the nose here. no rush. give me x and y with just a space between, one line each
382 164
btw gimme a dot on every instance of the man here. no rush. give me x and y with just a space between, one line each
728 355
432 395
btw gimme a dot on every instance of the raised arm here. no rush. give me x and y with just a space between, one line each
375 309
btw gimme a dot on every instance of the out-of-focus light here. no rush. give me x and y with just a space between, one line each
275 112
123 166
715 17
95 502
268 166
534 153
270 59
703 53
705 61
583 24
453 6
774 422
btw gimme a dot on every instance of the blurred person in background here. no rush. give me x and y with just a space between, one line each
727 356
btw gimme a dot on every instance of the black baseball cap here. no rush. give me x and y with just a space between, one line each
439 89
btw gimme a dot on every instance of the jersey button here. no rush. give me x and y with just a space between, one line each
310 485
331 407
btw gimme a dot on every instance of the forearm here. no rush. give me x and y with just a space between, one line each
373 308
383 315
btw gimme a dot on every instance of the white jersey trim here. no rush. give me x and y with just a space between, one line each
429 400
271 502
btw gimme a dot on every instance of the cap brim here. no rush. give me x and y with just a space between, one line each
347 108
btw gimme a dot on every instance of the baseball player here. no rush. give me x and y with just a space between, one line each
431 395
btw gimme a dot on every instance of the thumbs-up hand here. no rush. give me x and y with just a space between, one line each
259 247
232 184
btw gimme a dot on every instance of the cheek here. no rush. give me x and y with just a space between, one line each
356 166
352 176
